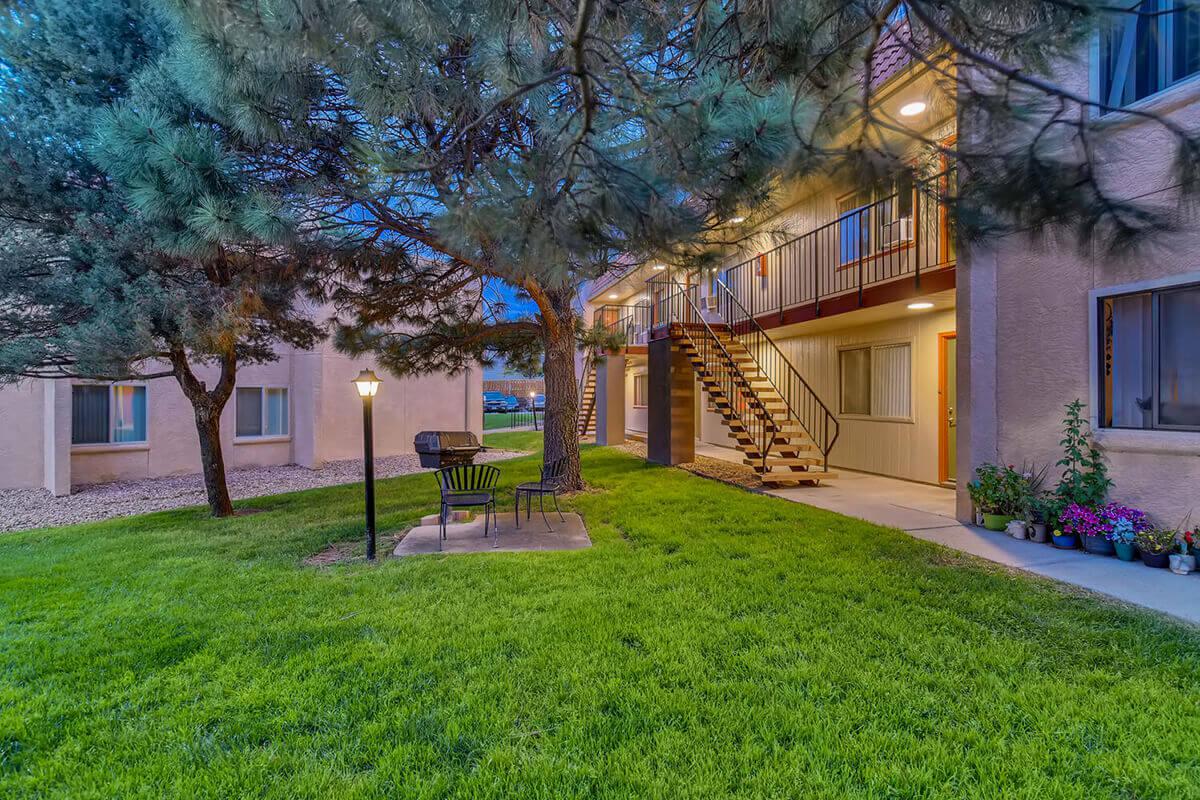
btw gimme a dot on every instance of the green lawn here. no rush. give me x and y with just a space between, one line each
713 643
505 420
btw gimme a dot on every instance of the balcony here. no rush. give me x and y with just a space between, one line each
631 321
875 251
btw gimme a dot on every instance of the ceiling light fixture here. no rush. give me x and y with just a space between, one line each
660 267
612 296
922 306
912 109
737 220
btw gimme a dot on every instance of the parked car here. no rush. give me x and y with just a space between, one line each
511 403
494 402
539 402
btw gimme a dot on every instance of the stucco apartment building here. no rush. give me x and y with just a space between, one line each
301 409
859 320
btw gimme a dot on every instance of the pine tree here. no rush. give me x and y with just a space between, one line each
541 144
135 245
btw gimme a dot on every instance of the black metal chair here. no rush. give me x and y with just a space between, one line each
467 486
549 484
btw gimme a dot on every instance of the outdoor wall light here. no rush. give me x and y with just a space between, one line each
367 385
919 306
912 109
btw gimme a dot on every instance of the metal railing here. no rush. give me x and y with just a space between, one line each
675 305
804 405
901 235
584 413
632 321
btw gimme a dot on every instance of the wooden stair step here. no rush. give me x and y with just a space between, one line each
807 476
773 461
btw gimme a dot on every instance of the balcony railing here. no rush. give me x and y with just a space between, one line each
900 236
632 321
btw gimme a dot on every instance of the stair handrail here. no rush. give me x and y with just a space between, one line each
824 442
588 359
769 427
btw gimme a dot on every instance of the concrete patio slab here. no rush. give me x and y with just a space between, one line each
467 537
927 512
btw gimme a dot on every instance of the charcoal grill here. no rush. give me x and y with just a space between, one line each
439 449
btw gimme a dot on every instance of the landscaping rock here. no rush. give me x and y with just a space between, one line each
21 509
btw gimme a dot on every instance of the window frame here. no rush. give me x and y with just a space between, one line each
139 444
912 377
1155 290
1096 77
645 378
262 420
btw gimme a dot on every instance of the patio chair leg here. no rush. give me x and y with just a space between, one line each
556 508
542 508
517 512
496 529
441 526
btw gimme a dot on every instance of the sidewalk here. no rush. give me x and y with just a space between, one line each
927 512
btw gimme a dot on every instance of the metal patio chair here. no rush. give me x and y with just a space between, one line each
468 486
548 484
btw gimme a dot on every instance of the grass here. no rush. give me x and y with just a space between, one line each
712 643
496 420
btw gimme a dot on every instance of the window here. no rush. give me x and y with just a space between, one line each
262 412
640 384
1150 374
876 381
853 214
1147 49
108 414
876 220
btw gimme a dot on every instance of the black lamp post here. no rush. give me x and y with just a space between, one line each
533 408
368 385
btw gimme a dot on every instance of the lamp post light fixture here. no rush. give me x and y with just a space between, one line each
367 385
533 408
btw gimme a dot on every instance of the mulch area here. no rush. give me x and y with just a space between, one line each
712 468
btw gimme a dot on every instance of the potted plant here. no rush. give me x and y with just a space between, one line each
974 490
1122 525
1063 541
992 496
1091 528
1155 545
1184 561
1039 510
1124 539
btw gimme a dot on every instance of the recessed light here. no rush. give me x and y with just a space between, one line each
612 296
912 109
660 267
919 306
737 220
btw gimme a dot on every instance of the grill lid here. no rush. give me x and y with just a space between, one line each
445 441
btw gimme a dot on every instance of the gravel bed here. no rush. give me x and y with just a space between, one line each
706 467
21 509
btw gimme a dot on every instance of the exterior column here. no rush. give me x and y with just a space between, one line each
671 405
56 437
977 411
610 400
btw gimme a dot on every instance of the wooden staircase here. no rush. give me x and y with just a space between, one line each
585 423
757 417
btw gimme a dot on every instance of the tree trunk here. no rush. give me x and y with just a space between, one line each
207 406
208 426
561 439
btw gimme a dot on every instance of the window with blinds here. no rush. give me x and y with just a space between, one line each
261 411
108 414
1146 48
876 381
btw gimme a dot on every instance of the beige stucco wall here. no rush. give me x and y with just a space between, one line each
325 421
906 450
1039 358
21 430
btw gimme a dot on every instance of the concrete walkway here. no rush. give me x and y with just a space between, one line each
927 512
534 533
